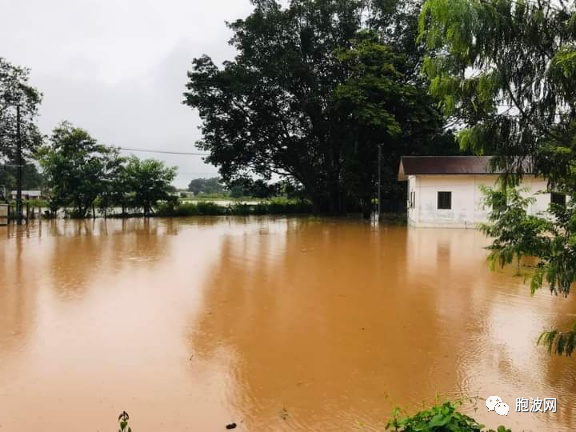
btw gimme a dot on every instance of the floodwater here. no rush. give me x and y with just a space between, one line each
275 324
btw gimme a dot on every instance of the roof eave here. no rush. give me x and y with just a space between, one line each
401 175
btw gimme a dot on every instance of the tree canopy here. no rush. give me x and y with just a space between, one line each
31 178
149 181
211 185
15 91
505 70
315 88
75 167
79 171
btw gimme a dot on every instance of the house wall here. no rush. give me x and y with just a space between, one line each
412 203
467 208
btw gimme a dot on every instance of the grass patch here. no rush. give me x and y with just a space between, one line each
273 206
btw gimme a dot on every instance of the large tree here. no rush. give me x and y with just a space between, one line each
16 94
505 69
76 168
315 88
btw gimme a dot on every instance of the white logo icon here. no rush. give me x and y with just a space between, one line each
494 403
502 409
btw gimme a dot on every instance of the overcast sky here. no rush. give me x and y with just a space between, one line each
117 68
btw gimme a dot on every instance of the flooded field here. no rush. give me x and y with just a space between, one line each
275 324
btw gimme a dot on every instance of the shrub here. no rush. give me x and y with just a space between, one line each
207 208
439 418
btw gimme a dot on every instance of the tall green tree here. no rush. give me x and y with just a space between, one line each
150 181
76 168
505 70
382 104
115 187
310 96
16 91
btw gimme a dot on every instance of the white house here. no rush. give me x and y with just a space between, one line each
27 194
444 191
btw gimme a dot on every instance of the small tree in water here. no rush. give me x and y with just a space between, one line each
516 234
439 418
552 241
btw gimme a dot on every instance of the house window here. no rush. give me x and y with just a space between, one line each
558 198
444 200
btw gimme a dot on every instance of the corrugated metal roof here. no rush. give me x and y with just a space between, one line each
444 165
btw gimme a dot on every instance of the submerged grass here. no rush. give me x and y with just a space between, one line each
275 206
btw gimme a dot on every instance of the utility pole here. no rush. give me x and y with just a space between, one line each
19 215
379 208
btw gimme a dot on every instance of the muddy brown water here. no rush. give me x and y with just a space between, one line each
275 324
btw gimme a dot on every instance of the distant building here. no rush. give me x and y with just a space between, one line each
28 194
444 191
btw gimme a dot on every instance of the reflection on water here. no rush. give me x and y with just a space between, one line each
276 324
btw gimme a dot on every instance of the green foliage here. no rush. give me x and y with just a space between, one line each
281 206
439 418
206 186
149 180
274 206
386 107
31 178
36 203
75 167
504 69
253 188
515 233
190 209
15 90
560 343
315 88
81 174
551 240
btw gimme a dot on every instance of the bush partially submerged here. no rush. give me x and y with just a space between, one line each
439 418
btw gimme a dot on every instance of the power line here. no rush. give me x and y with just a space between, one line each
204 173
163 151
